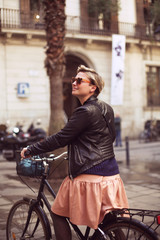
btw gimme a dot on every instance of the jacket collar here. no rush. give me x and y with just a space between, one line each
92 98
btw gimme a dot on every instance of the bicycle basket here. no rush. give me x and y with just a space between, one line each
29 168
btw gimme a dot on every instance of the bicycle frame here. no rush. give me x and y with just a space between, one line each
41 198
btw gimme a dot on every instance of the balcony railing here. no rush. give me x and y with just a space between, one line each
16 19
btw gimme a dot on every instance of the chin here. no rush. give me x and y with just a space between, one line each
74 93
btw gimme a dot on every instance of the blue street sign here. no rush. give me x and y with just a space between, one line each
23 90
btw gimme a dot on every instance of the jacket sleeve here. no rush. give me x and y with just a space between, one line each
78 122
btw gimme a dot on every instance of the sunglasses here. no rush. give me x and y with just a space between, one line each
79 80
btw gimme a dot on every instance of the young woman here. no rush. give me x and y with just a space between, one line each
93 186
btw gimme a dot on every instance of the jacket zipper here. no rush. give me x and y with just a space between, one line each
69 165
76 148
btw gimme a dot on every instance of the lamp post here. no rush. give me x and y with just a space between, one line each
157 33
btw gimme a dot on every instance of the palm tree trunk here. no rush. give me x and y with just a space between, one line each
56 101
55 61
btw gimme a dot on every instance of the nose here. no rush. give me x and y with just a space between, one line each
75 82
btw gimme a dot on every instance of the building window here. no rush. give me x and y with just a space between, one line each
103 13
37 11
153 86
32 14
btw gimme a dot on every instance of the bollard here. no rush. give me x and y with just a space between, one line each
127 151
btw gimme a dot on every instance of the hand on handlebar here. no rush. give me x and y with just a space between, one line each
25 153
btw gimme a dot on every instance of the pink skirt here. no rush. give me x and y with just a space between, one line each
86 199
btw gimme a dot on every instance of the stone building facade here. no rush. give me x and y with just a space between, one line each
24 91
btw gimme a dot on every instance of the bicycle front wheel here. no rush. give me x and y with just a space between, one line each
17 220
127 230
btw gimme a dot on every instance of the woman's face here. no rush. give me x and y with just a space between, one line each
84 89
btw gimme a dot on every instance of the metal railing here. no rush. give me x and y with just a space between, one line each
16 19
94 27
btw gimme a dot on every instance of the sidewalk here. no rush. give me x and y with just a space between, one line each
141 179
142 176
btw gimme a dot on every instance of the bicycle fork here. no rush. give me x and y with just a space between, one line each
28 220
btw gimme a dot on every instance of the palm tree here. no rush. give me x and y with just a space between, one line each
55 60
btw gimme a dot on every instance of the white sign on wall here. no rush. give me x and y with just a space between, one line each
117 77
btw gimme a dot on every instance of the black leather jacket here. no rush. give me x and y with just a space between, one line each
87 136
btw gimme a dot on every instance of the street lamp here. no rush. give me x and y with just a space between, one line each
157 33
37 17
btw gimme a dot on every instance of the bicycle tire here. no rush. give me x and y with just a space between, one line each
16 221
126 229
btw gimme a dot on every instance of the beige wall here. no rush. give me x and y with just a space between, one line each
23 63
127 11
14 4
3 84
72 8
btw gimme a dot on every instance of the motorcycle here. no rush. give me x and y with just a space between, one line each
39 132
14 142
3 132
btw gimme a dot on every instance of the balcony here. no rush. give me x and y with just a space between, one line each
16 21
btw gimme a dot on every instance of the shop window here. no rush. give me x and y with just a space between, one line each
153 86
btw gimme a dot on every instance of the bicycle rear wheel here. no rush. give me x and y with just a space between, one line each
17 219
125 229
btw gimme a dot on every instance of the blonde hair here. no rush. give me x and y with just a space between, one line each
94 78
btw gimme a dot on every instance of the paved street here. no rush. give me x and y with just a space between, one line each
141 178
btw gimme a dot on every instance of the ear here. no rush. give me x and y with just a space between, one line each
93 88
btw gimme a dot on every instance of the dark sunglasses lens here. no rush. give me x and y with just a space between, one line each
73 80
78 80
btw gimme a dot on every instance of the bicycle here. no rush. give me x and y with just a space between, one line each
28 219
151 131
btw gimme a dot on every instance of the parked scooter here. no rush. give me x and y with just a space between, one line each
34 131
3 132
12 143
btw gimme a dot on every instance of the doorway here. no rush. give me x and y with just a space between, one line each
70 102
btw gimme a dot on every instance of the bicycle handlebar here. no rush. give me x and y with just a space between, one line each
48 159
